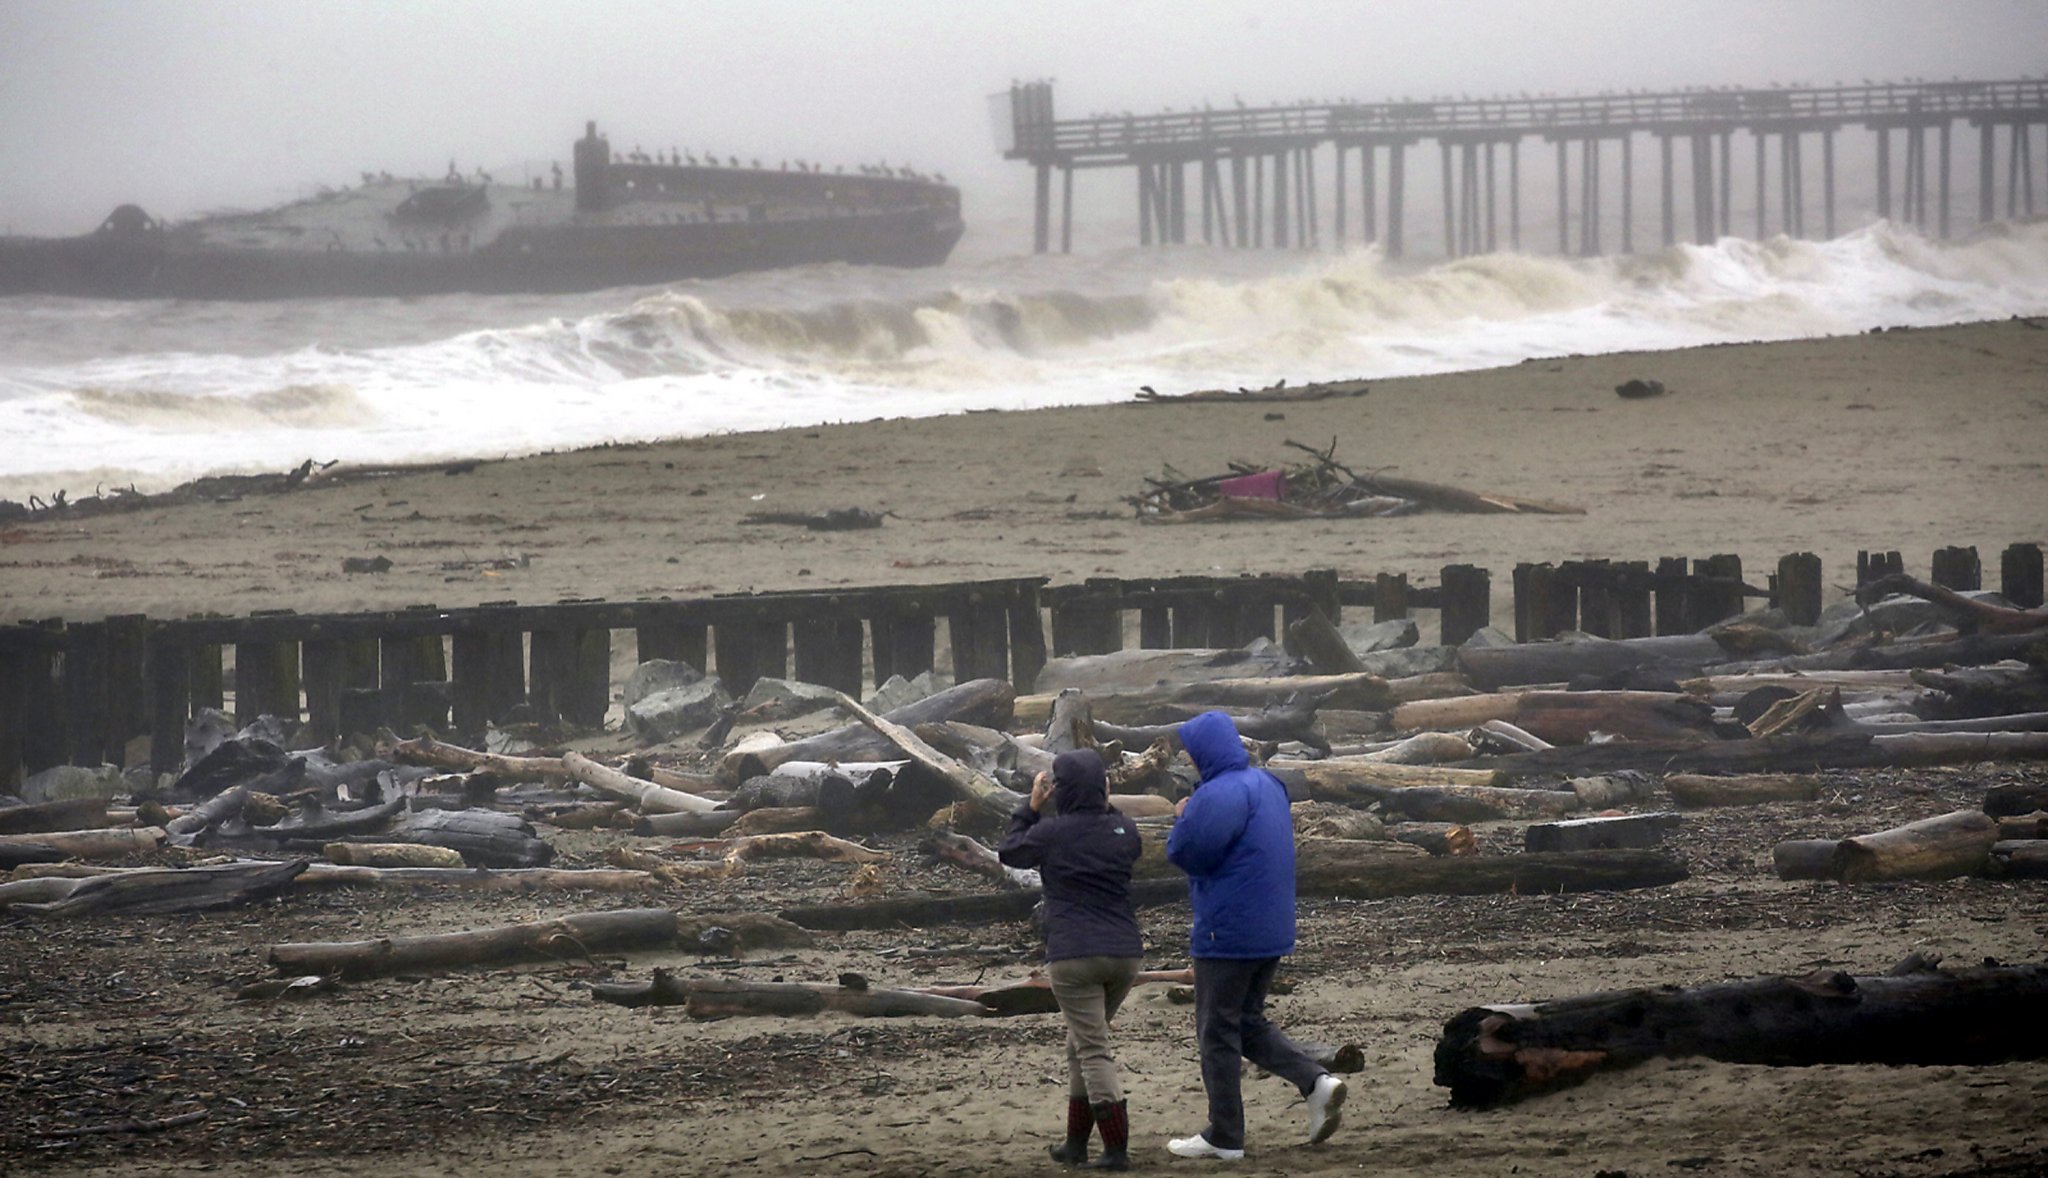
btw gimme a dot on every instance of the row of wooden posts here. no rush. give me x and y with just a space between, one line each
81 692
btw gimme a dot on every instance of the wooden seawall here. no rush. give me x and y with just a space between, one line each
79 693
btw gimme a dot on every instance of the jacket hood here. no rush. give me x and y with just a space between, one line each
1080 782
1213 745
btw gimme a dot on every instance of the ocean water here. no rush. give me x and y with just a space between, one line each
99 395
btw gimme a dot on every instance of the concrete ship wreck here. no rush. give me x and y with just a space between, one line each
625 220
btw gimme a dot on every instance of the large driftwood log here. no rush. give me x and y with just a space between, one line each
687 825
976 857
1695 790
1103 675
1034 995
1959 748
393 855
1779 754
62 814
1352 874
575 936
1163 703
88 844
1469 803
314 823
157 891
708 998
646 796
484 838
990 801
1942 847
1438 838
1340 779
1495 667
1989 691
1492 1055
478 879
1979 615
1570 717
440 755
1805 858
978 701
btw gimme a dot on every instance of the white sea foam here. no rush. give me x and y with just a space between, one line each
152 394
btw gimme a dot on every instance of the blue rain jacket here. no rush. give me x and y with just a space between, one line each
1236 842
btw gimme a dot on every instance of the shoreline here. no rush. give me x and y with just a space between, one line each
1906 439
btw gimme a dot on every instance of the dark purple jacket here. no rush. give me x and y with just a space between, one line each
1084 852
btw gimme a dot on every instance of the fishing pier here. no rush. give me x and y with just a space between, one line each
1255 169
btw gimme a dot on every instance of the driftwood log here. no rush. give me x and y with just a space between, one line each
1492 1055
646 796
1943 847
1696 791
1469 803
1495 667
708 998
991 803
1600 834
62 814
393 855
1977 615
1570 717
574 937
437 754
978 701
1153 703
85 844
157 891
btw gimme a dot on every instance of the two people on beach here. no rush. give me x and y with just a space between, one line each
1234 838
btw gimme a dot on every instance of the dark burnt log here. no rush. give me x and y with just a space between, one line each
1600 834
1325 648
2015 799
156 892
1438 838
252 762
62 814
314 823
978 701
2024 826
2019 859
1492 1055
1805 858
1988 691
572 937
1968 651
484 838
13 855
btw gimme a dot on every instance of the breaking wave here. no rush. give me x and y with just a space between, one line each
835 343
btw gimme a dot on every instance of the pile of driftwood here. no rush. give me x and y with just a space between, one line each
1490 768
1321 488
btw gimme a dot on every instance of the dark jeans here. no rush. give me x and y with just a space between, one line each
1230 1024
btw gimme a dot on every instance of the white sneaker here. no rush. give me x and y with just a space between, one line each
1198 1147
1325 1108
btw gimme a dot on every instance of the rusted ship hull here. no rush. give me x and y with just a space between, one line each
521 260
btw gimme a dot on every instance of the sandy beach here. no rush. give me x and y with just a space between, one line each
1904 440
1901 440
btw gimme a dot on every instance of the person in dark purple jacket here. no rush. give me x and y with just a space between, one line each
1234 837
1084 852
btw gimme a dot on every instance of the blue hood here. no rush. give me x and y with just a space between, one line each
1213 745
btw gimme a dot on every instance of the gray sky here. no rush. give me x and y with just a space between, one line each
181 105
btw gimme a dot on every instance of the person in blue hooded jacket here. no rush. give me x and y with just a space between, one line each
1084 851
1234 837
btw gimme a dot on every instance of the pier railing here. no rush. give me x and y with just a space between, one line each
85 693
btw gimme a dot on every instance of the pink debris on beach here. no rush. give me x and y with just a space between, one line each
1267 484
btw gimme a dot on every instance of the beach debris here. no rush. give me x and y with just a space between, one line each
838 519
365 564
1320 489
1494 1055
1636 390
1316 391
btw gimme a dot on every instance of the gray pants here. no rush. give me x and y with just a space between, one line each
1230 1024
1089 990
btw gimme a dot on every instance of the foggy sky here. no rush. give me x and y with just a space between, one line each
184 105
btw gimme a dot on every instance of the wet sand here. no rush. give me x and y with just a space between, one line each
1906 440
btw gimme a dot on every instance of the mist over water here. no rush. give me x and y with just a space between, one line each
153 394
